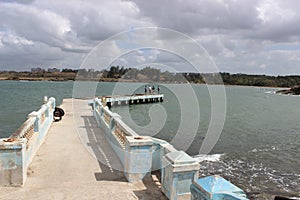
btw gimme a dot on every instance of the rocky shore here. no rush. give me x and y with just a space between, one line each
293 91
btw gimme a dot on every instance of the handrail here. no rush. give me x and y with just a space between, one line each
141 154
114 122
22 145
26 130
120 129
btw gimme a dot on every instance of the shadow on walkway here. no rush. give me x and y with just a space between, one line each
152 188
110 165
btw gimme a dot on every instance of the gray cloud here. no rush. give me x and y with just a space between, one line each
18 1
195 16
251 36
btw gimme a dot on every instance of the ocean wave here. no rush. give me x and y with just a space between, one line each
259 180
209 158
270 92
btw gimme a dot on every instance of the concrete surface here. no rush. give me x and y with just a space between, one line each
76 162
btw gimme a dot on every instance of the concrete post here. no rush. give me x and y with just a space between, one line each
178 172
215 187
13 171
53 103
45 99
138 157
37 123
47 112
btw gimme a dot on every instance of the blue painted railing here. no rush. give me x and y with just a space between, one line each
17 151
142 154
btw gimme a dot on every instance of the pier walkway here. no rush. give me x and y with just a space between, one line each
132 99
66 166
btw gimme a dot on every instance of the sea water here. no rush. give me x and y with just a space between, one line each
258 148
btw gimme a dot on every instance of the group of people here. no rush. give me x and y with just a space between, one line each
151 89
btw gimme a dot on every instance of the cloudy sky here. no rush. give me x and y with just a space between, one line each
241 36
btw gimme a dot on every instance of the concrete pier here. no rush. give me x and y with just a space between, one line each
111 101
93 154
140 155
66 166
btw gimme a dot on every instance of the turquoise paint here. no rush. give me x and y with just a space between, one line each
157 154
178 169
16 156
146 154
178 172
216 188
108 128
138 157
12 172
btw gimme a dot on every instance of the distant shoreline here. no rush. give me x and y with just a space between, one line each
152 76
130 81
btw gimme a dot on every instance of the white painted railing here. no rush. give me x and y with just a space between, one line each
17 151
141 154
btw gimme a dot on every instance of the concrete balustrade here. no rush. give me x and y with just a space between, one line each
138 157
142 154
178 172
17 151
116 132
216 187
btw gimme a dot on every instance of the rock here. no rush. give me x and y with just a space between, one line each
285 198
293 91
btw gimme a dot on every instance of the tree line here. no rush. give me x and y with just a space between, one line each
149 74
156 75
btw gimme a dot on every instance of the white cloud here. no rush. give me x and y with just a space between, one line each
270 11
248 36
97 20
35 24
7 38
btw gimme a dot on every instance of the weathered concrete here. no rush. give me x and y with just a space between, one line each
17 151
12 163
140 154
216 188
138 157
67 165
178 172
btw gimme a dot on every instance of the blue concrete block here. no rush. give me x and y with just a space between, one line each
17 153
12 163
216 188
178 172
138 157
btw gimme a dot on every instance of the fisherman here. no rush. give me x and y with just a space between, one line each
58 113
150 89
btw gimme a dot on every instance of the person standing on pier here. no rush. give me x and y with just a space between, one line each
145 89
158 90
150 89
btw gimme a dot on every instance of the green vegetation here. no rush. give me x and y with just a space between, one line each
260 80
148 74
